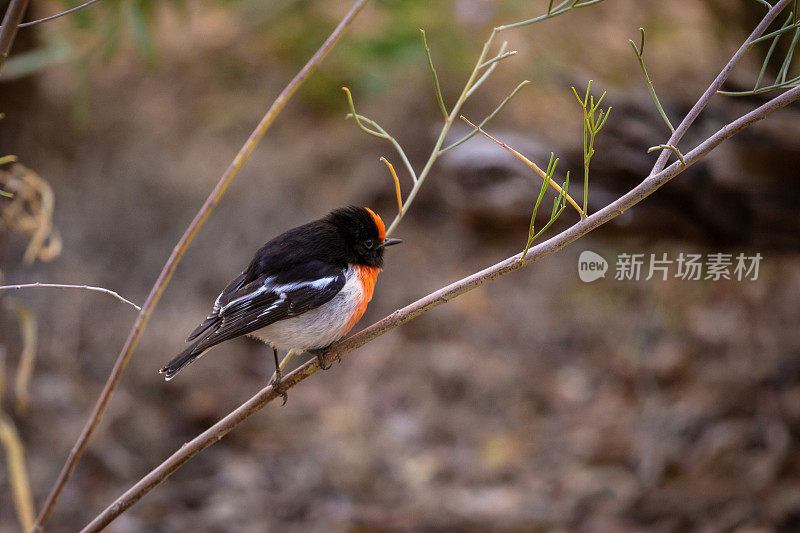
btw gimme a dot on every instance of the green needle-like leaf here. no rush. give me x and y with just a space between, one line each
437 89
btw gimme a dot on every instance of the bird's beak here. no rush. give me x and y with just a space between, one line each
390 242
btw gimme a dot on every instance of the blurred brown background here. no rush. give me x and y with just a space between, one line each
535 403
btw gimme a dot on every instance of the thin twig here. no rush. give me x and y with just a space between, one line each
485 76
436 87
639 51
488 118
473 83
787 26
8 32
470 86
179 250
531 164
673 149
647 187
378 131
551 12
57 15
500 57
62 286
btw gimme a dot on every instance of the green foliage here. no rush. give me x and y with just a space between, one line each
594 119
559 204
139 18
392 41
480 73
791 26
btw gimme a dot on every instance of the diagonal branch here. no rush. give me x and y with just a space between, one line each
401 316
178 252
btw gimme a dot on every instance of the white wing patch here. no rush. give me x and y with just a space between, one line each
274 306
281 289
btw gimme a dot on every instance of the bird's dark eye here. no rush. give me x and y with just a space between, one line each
368 244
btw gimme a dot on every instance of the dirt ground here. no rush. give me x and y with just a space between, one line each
535 403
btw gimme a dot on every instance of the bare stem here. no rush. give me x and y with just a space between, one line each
647 187
485 121
61 286
470 86
561 8
669 147
377 131
11 20
57 15
178 252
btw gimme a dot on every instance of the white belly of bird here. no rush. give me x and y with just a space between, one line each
319 327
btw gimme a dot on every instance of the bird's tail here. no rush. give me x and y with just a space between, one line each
183 359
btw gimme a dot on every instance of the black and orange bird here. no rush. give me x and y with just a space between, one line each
303 290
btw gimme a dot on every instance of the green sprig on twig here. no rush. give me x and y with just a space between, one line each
594 119
480 73
782 79
552 11
484 67
559 204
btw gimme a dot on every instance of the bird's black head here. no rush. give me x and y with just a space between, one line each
364 234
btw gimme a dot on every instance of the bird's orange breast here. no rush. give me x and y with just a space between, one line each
367 275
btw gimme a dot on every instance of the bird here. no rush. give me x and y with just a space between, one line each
302 291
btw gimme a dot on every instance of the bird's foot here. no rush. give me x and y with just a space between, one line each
276 386
318 353
321 362
276 382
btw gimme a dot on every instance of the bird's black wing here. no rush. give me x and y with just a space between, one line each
263 302
246 307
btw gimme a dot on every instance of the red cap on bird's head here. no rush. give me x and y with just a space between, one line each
378 222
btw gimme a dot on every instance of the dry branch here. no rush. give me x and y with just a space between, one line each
178 252
11 20
38 285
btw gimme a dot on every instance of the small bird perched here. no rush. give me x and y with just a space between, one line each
303 290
